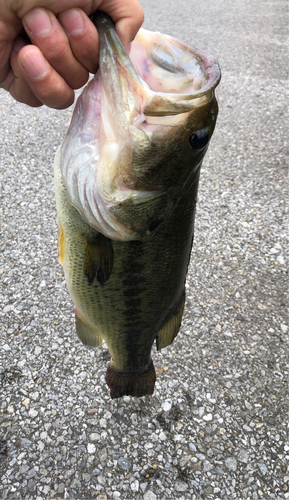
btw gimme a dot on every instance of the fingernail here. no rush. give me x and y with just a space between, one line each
35 64
38 22
73 22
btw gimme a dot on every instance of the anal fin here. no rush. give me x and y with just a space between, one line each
167 333
98 258
88 336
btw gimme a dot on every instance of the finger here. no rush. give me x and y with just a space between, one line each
46 84
18 87
83 37
128 16
7 35
46 33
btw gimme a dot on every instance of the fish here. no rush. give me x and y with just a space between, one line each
126 183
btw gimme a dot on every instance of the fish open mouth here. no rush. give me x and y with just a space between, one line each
176 73
123 108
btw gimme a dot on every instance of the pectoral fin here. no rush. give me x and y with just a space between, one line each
169 330
88 336
98 258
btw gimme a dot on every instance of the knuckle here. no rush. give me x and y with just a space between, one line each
56 50
140 16
55 93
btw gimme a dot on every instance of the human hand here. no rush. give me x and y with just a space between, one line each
63 49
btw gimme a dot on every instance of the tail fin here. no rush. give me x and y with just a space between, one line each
130 384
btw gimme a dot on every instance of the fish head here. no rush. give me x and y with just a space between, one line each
139 132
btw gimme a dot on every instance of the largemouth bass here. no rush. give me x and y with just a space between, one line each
126 181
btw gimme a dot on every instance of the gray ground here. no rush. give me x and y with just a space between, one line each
217 424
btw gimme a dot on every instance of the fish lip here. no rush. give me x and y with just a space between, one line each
107 35
123 87
211 68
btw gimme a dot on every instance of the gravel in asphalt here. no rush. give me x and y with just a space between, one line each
217 424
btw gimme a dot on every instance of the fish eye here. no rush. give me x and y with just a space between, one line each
199 139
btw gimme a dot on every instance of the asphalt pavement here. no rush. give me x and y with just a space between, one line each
217 424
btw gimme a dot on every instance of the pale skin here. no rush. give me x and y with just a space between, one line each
63 47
